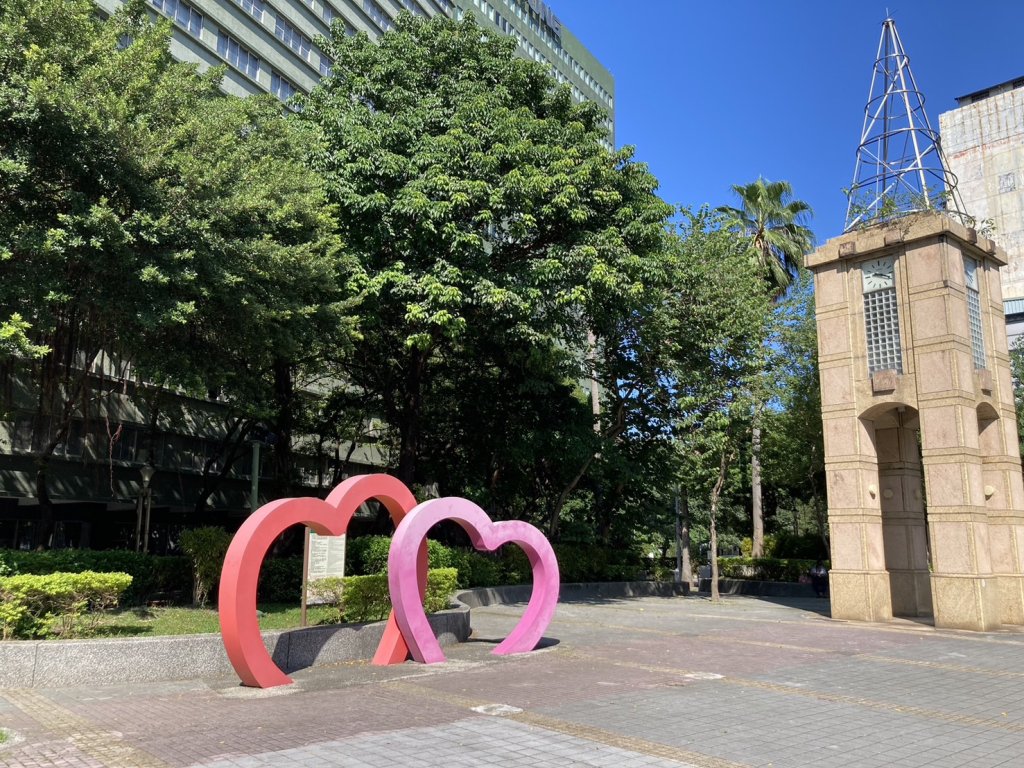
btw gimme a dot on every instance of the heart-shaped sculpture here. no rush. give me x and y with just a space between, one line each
406 596
239 624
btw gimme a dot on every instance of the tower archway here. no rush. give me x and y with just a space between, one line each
902 503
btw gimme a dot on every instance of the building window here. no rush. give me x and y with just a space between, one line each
974 312
124 442
238 55
413 7
181 12
881 316
253 7
294 39
325 66
280 87
377 14
32 433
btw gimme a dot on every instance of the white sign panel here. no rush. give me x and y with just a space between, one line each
326 559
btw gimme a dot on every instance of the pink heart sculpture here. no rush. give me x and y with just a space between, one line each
239 624
406 600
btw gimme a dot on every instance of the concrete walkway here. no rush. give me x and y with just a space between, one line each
631 683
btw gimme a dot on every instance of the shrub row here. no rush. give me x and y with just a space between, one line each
57 604
366 598
153 576
807 546
162 577
576 562
764 568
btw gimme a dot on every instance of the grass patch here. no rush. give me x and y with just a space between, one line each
134 622
3 735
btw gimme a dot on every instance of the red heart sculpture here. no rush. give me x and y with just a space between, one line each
485 534
237 597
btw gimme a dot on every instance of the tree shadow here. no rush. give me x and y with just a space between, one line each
544 642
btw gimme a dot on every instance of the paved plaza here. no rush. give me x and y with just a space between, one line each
620 683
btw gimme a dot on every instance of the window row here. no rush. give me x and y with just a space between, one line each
254 8
181 12
377 14
238 55
521 10
293 38
126 443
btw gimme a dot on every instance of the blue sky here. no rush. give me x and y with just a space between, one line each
717 93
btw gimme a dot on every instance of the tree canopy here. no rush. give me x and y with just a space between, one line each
481 207
147 216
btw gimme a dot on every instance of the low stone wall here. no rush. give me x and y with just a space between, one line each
520 593
58 663
758 588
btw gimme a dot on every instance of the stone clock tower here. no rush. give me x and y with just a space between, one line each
926 501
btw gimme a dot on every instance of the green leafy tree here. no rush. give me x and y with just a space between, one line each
773 225
794 445
148 221
493 232
718 350
1017 369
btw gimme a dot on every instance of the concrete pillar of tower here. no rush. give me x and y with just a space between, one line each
1000 456
911 336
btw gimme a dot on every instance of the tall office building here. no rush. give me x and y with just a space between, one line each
270 45
983 139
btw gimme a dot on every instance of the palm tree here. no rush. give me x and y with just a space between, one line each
773 223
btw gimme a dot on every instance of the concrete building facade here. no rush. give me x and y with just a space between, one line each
270 45
983 139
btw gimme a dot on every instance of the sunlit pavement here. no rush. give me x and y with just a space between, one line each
635 682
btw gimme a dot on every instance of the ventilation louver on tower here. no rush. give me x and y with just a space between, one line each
900 167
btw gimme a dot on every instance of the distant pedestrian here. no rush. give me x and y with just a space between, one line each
819 579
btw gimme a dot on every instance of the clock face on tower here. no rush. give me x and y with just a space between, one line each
971 272
877 274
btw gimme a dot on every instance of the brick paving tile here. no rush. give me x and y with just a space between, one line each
623 683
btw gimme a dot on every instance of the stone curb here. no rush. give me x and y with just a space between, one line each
481 596
758 588
61 663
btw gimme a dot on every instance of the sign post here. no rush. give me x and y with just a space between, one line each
322 557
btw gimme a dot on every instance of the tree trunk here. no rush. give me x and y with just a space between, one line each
284 401
409 427
757 547
46 522
556 510
716 495
686 569
229 449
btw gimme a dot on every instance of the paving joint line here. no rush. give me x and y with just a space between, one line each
942 665
834 698
577 730
100 744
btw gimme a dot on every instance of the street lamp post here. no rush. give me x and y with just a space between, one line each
145 509
254 487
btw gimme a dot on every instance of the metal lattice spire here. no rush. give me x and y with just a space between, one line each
900 167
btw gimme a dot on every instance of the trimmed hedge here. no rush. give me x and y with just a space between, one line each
171 577
576 562
366 598
206 548
764 568
57 604
280 580
153 576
